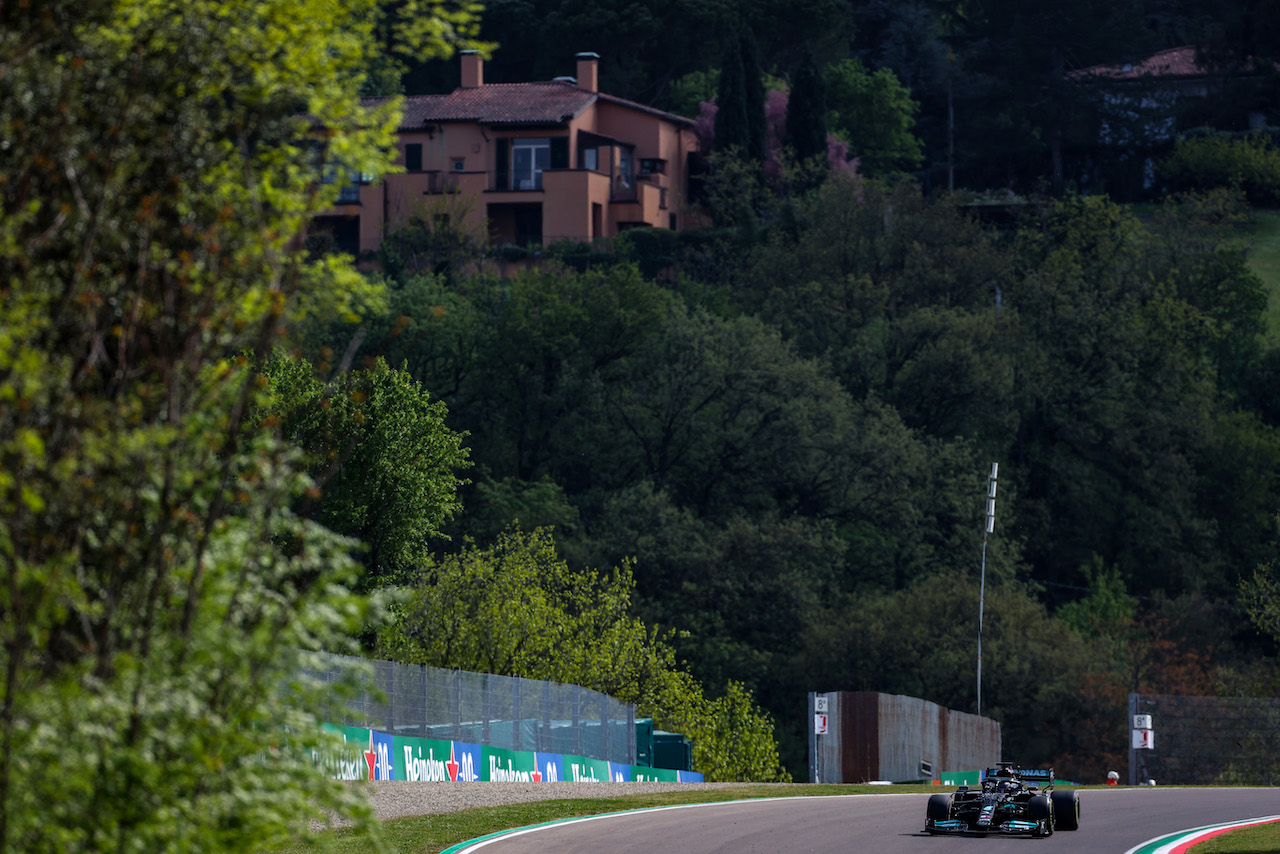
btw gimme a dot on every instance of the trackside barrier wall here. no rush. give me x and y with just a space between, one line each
366 754
399 720
874 736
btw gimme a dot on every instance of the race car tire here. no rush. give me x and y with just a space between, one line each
939 808
1040 807
1066 809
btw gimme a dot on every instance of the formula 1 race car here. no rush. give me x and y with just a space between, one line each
1009 800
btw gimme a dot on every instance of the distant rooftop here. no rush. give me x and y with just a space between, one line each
550 102
1174 62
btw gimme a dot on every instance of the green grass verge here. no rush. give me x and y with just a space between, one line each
1260 839
434 833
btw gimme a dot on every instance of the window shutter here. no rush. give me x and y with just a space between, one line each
502 170
559 152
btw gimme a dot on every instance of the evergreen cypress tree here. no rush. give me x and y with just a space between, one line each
731 102
807 112
753 83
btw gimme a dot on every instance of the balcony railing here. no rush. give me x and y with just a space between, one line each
441 182
502 182
505 182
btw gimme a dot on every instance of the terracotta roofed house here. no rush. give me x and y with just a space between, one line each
540 162
1146 102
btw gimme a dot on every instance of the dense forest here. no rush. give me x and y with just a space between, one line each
780 427
790 435
706 472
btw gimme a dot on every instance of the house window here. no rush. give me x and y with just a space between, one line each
459 165
590 159
413 157
528 158
349 191
624 179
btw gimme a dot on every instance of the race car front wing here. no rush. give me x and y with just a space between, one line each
955 825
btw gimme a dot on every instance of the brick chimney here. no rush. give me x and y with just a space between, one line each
589 72
472 69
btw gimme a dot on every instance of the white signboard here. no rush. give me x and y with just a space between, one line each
820 724
819 704
1142 722
1143 739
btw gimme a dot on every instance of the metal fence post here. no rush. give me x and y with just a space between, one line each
604 727
544 731
1133 752
422 698
577 720
813 740
486 709
517 731
631 734
455 691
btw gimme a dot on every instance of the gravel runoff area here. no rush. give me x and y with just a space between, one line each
399 798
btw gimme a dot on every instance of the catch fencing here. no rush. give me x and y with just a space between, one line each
476 708
1206 740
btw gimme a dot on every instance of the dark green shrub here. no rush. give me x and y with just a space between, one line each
512 252
1249 163
653 249
580 256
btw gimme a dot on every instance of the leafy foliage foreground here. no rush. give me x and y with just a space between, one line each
158 589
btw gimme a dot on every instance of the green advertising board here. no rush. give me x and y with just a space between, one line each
367 754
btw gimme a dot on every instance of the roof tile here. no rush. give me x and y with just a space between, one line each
1174 62
541 103
499 103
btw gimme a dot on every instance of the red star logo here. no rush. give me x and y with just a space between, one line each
452 765
370 759
537 775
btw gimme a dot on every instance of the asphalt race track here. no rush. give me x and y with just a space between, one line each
1111 822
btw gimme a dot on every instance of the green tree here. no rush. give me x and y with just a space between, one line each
159 593
514 359
861 256
875 114
732 121
1261 596
517 609
807 113
753 96
756 493
1117 407
384 461
690 91
406 32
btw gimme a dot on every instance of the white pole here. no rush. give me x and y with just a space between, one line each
982 592
989 525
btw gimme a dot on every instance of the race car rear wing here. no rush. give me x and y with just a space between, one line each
1027 775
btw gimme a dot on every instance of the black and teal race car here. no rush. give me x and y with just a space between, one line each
1008 800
